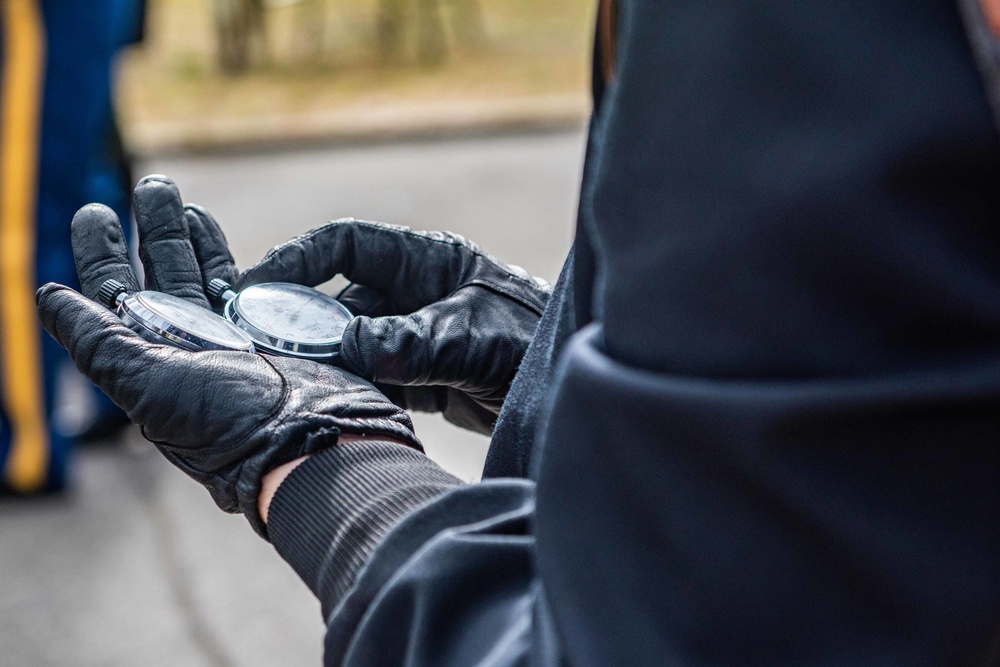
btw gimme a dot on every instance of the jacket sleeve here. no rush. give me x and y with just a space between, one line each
792 382
411 566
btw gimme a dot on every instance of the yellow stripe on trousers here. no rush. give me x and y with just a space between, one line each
20 346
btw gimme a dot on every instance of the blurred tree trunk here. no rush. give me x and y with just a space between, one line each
470 29
431 36
240 33
432 46
390 28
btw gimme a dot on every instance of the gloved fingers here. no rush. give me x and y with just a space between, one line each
431 361
412 268
364 300
210 246
417 398
469 341
164 243
179 397
100 251
101 346
464 411
423 348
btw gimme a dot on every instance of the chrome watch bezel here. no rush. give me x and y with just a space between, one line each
137 311
324 350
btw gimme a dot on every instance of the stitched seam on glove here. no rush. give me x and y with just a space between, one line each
285 393
534 307
297 240
312 442
467 245
385 427
279 406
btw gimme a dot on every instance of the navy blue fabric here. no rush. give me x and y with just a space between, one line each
833 521
778 440
513 444
81 40
792 190
468 596
785 432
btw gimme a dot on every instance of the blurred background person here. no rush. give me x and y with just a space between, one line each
60 149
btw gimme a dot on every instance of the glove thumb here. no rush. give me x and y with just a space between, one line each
401 350
102 347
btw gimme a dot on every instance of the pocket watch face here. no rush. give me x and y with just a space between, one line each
290 319
293 312
183 323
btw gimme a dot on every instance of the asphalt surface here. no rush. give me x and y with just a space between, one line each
135 565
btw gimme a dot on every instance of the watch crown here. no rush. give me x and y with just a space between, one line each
109 292
217 290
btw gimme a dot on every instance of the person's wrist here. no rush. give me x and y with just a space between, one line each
272 480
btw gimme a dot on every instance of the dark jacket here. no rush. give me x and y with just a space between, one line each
760 420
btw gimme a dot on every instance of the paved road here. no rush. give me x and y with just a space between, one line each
136 566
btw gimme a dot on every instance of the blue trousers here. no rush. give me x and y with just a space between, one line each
55 119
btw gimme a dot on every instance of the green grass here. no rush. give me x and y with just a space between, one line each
531 48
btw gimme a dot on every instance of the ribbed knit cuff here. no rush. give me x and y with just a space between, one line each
333 509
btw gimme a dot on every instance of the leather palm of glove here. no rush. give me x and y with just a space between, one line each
442 326
225 418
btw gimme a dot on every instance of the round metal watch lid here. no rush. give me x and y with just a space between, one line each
290 319
184 323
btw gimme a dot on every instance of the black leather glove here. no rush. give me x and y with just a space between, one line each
224 418
440 320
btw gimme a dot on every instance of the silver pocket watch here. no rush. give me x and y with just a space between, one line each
274 318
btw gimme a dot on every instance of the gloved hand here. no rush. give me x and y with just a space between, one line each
440 319
224 418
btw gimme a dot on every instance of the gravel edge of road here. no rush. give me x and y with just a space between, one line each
359 126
